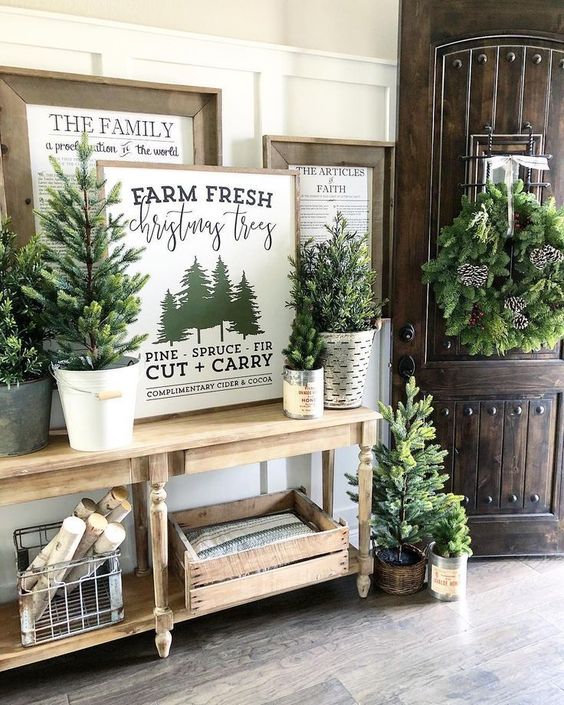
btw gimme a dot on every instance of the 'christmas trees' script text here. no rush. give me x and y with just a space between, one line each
174 225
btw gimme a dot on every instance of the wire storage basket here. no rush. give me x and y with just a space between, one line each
62 599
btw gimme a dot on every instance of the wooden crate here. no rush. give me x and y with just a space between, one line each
229 580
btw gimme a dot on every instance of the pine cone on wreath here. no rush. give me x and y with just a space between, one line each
541 256
520 321
553 254
472 274
514 303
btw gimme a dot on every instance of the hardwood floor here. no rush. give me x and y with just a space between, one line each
324 646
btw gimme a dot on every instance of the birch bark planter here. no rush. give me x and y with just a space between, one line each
303 393
447 576
346 364
24 418
99 405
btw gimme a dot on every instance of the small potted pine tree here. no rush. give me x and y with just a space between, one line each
449 552
89 301
406 499
336 276
303 372
25 384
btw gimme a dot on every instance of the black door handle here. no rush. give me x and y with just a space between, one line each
407 333
406 366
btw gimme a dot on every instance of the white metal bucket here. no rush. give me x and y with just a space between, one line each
99 405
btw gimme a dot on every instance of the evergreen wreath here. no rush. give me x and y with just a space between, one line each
500 292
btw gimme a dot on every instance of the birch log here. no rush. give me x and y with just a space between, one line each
83 510
110 540
63 550
118 514
112 500
96 524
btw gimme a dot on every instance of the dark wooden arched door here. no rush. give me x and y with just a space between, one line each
465 67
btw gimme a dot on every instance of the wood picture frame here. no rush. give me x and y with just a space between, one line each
20 88
217 245
279 152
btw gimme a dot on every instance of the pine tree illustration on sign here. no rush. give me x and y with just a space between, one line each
195 300
222 294
171 329
244 310
202 304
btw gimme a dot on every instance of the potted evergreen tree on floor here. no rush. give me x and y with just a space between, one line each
89 301
407 498
25 385
449 552
336 276
303 372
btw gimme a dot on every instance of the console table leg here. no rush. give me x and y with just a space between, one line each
365 506
139 491
158 472
328 471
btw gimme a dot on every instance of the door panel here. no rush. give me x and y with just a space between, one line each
499 418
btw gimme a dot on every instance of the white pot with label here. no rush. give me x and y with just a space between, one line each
303 393
447 576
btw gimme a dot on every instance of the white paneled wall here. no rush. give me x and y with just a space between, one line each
267 89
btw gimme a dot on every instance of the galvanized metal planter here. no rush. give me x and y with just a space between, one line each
303 393
346 363
24 421
447 576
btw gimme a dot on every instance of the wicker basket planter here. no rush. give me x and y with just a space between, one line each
346 363
400 579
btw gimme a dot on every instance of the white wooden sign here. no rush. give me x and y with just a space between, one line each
217 242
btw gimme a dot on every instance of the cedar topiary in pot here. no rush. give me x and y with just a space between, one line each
336 276
25 385
449 551
406 499
303 372
89 301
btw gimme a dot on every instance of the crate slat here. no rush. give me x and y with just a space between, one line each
302 574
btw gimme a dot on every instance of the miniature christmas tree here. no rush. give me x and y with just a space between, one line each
450 532
21 334
407 482
336 277
88 298
305 346
245 311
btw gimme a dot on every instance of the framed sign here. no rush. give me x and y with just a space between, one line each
354 177
217 242
43 114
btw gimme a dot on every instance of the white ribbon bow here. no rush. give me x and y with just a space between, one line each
510 165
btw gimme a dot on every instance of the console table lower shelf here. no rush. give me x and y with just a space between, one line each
139 617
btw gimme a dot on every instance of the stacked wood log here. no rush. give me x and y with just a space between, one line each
93 529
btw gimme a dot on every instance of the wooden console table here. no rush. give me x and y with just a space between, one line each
162 449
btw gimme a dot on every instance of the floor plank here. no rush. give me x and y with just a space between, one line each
324 646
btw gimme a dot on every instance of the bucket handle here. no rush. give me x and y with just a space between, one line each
102 396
